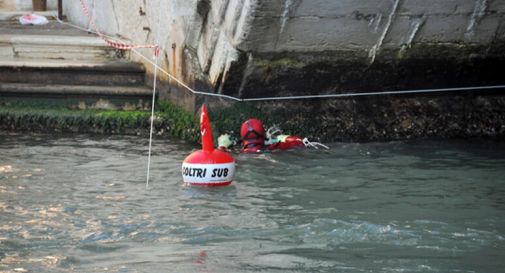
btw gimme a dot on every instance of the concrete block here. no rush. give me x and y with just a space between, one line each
61 52
207 43
436 7
244 25
485 30
318 24
52 4
442 29
223 54
106 18
232 17
332 8
75 15
317 34
496 6
268 8
500 31
238 22
263 35
404 31
218 10
23 4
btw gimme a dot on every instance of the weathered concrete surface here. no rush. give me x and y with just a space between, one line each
256 48
214 41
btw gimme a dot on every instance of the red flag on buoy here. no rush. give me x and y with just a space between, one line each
208 167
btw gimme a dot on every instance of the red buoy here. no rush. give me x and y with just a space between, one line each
208 167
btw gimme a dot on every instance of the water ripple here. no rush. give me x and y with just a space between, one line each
79 204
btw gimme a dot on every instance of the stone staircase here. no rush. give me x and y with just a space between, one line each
59 65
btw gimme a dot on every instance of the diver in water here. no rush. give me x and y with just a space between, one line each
252 135
254 139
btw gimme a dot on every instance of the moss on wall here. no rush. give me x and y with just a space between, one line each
68 120
361 119
181 123
169 120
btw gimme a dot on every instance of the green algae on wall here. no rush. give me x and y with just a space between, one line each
181 123
169 120
68 120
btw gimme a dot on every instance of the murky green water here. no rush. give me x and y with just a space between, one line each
79 204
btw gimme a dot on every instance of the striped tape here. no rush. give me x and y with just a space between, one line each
113 43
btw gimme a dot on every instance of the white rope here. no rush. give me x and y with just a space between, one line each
183 84
152 122
378 93
319 96
314 145
156 57
343 95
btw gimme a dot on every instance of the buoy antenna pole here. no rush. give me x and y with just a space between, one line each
206 131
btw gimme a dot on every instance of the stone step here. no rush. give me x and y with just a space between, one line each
55 47
77 96
63 89
52 28
112 73
57 64
15 14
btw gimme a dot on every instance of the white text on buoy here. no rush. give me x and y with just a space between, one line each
208 167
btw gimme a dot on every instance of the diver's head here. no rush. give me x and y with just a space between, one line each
252 132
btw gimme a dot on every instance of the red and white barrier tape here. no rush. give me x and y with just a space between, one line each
115 44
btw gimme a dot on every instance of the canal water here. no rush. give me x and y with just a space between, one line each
79 204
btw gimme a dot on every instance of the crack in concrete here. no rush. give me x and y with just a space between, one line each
247 72
285 14
375 22
478 12
289 7
415 25
375 49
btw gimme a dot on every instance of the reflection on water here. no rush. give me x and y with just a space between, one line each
79 204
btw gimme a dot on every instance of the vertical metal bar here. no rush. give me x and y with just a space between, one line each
174 63
60 9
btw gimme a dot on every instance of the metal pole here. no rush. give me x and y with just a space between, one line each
60 9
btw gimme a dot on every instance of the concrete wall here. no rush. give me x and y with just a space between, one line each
27 4
216 42
303 25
